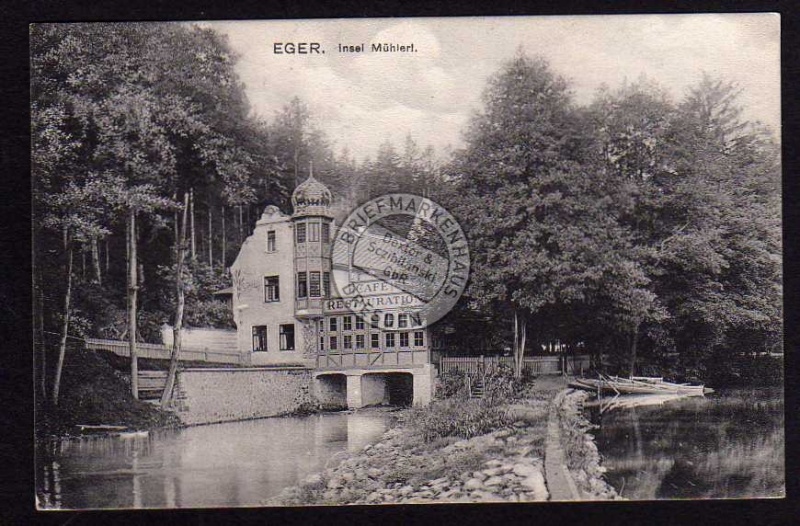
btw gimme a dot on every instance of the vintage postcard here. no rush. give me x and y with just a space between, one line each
407 260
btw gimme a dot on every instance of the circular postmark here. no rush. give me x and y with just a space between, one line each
400 261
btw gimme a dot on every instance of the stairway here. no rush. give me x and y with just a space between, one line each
151 386
476 388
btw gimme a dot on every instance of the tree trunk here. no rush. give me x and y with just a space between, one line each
132 294
191 212
634 339
41 335
247 218
224 239
107 256
180 250
241 226
296 162
520 336
210 240
62 346
96 261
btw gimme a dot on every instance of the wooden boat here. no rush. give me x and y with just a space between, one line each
635 385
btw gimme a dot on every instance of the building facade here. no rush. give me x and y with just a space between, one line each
287 311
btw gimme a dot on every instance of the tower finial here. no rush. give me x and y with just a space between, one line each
311 169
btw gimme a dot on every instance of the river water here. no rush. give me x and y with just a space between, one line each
229 464
728 444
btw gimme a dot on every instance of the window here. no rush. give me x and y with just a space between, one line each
302 284
389 339
333 325
359 323
347 341
402 321
287 337
374 341
321 343
259 338
403 339
388 319
347 323
314 286
301 233
326 233
271 241
313 232
322 325
419 339
375 320
334 343
326 284
360 341
271 289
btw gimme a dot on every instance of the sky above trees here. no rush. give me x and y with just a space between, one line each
361 100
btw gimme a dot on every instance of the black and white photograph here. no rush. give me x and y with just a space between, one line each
392 261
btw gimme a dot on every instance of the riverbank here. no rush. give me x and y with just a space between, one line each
94 393
506 464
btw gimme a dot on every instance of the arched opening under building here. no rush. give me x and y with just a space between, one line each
332 391
400 389
396 389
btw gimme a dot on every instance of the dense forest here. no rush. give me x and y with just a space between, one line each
636 225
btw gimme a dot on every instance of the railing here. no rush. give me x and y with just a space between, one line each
479 365
162 352
366 359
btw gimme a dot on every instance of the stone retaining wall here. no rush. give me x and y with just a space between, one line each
222 395
583 458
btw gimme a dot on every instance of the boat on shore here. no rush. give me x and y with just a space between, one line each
636 385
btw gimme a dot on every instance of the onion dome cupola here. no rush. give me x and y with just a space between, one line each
312 198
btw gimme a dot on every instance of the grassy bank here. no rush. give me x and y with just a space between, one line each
454 450
94 392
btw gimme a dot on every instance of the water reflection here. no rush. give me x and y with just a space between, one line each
231 464
726 445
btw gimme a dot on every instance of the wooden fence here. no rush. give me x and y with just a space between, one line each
533 364
162 352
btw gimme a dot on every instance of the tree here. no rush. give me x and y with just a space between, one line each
135 113
180 253
684 178
542 240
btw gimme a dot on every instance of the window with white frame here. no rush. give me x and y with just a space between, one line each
271 289
259 338
287 337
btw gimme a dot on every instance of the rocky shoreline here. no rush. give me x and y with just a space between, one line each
390 472
505 465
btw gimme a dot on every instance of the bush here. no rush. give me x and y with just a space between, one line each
501 386
459 418
451 385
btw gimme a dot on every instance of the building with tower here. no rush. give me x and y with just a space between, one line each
288 312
